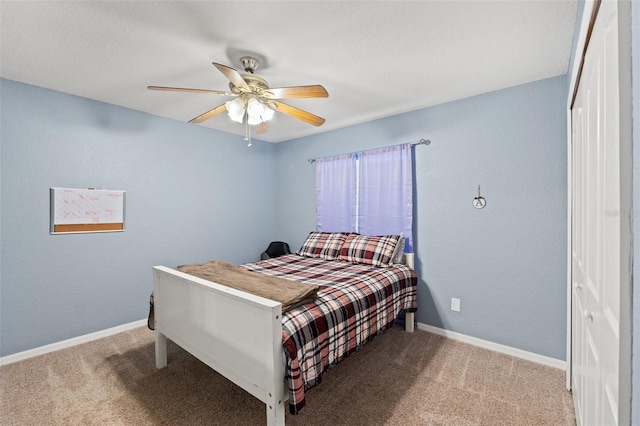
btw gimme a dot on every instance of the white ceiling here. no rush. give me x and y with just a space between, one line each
375 58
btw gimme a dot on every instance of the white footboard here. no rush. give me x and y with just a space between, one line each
236 333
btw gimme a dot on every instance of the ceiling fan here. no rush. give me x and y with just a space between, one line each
255 102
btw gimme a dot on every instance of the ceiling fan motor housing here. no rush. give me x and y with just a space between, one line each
255 83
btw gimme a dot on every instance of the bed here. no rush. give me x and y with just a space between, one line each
276 357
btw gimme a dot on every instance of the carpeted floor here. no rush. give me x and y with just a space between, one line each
397 379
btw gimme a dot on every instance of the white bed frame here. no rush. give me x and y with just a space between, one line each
237 334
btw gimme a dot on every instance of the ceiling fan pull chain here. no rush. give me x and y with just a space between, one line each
247 129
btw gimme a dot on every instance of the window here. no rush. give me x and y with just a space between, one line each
369 192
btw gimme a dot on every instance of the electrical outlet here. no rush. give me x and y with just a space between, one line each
455 304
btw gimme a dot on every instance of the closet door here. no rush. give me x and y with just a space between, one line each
596 228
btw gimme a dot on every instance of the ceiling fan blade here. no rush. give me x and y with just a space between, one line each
233 76
313 91
183 89
297 113
207 115
262 127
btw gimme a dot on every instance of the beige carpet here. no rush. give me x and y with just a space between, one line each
397 379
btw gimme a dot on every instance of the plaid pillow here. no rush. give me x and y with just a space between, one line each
324 245
377 251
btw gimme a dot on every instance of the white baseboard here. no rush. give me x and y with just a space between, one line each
70 342
508 350
496 347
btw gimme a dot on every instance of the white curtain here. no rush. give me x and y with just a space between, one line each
385 191
370 192
336 193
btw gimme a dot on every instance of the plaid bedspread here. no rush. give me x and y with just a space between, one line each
355 303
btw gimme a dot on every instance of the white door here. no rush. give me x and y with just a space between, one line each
596 227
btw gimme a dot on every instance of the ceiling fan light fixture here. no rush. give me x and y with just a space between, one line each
257 112
235 108
238 118
254 120
267 114
254 108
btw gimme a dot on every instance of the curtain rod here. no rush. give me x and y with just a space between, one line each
420 142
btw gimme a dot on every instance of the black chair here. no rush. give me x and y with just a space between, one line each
275 249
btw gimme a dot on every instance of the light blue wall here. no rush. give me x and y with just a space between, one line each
193 194
507 262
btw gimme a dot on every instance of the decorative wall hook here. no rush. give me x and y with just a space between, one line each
479 202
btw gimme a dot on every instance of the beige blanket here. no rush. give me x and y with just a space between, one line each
290 293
